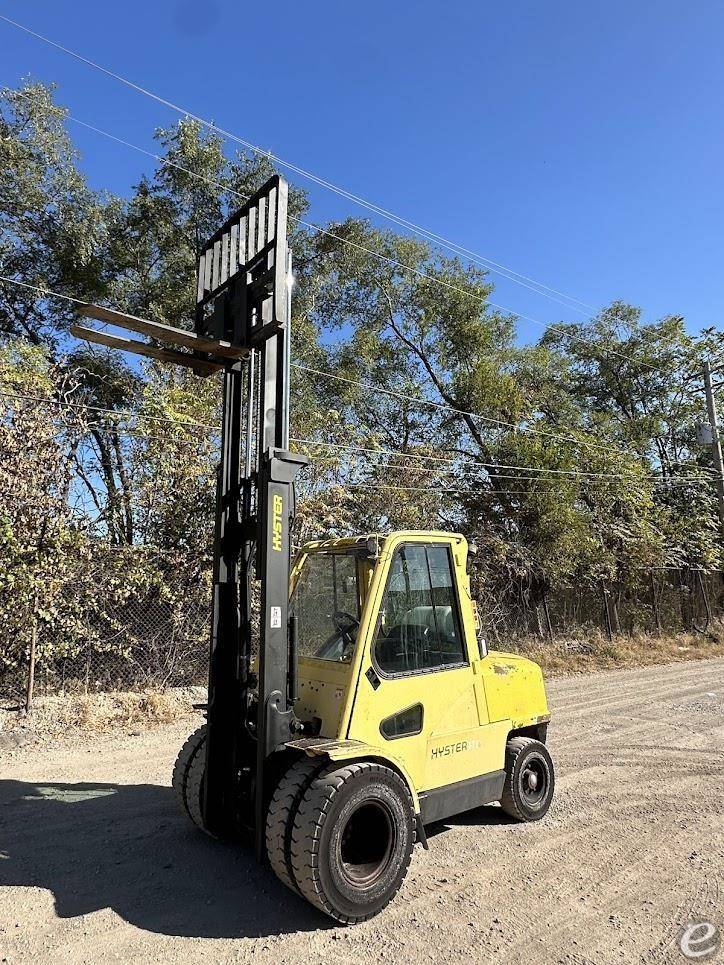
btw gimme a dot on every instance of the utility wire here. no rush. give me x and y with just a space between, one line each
457 467
561 475
43 291
105 430
463 412
359 247
503 270
311 226
564 476
317 228
112 412
443 490
376 388
312 442
467 463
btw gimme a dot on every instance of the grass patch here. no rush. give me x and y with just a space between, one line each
597 652
101 712
76 715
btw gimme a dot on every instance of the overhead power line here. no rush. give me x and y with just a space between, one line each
450 408
457 467
124 413
465 463
444 490
460 466
311 226
377 388
569 301
211 126
117 431
42 291
514 472
391 392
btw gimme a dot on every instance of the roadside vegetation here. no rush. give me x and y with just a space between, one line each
572 462
563 657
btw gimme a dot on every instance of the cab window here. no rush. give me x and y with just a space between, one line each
419 625
327 606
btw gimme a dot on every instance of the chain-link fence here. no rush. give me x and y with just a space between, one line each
663 602
138 643
122 621
134 624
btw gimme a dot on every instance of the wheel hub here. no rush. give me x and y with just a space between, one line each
534 780
366 843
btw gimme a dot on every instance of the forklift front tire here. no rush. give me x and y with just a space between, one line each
281 814
188 776
352 840
529 779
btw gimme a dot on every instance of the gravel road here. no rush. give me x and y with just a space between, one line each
97 864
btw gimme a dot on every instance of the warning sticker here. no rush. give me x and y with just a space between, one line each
276 618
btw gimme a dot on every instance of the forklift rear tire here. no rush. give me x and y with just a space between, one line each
282 812
529 779
352 840
188 776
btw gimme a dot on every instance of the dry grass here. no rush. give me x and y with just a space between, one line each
596 652
103 712
76 716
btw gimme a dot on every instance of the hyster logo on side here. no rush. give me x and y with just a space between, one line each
277 530
447 749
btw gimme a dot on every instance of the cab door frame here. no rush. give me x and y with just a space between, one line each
360 716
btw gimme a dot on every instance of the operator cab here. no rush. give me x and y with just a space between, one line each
339 606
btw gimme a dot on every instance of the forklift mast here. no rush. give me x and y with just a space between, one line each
244 300
242 318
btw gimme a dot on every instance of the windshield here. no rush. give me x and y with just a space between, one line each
326 604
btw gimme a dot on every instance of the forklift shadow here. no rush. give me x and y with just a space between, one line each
128 848
489 815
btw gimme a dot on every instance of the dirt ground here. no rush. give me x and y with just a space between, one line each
97 864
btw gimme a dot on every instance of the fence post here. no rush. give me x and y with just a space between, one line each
615 622
685 602
549 625
707 609
655 603
606 611
540 624
32 655
87 665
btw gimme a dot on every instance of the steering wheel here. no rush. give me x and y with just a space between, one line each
345 622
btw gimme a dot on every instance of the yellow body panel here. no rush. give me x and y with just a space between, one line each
322 693
468 710
350 750
514 689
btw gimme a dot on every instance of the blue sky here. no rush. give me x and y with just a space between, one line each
578 143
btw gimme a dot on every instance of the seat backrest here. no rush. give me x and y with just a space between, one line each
424 616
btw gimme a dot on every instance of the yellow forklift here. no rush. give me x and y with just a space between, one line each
362 704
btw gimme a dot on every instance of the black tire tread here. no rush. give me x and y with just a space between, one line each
184 761
194 782
513 749
188 776
310 819
280 816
